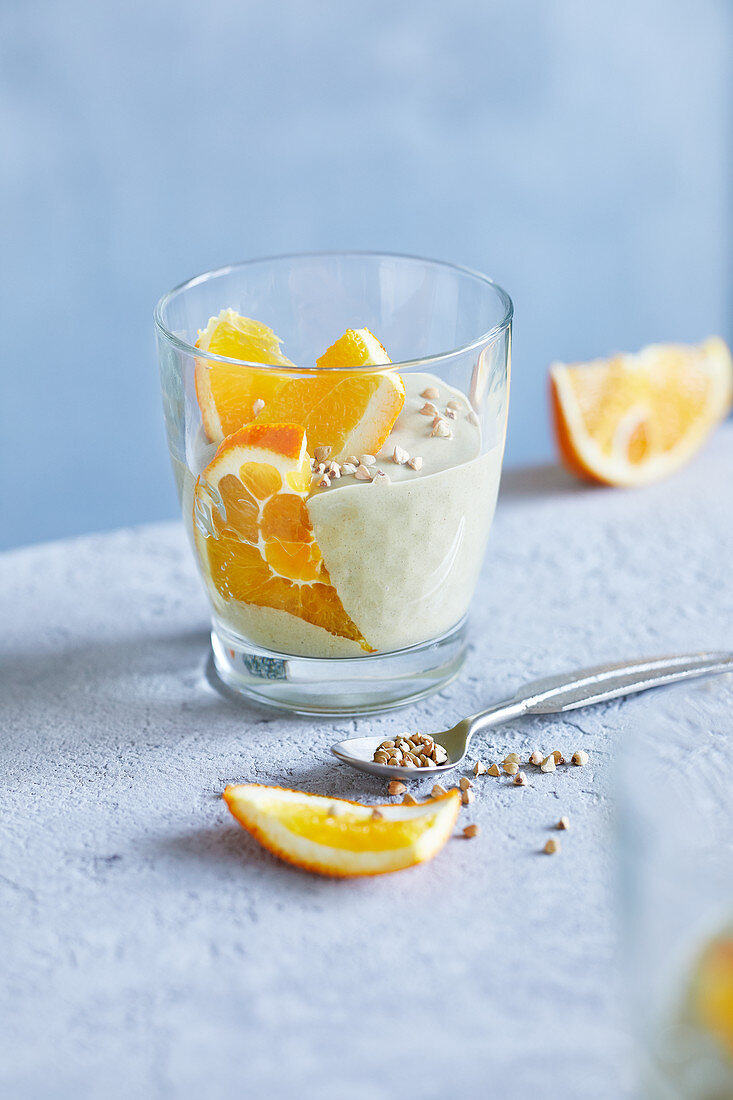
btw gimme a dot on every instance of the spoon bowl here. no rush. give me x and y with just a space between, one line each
359 752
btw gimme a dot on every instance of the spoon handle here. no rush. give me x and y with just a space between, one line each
595 685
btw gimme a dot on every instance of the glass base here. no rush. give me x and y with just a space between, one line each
339 686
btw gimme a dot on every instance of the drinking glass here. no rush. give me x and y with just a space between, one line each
676 824
400 553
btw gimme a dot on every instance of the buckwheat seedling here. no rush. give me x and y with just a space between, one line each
466 797
368 460
520 780
512 758
479 768
580 758
322 453
563 823
429 409
471 831
415 463
465 783
362 474
396 787
438 791
548 764
431 393
400 456
511 768
493 770
558 757
409 800
535 758
552 846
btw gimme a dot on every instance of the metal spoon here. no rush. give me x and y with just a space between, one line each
549 696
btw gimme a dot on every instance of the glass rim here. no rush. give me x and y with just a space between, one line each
484 338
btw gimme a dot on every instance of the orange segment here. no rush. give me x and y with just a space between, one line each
253 534
226 392
352 414
713 991
349 411
632 419
358 347
333 836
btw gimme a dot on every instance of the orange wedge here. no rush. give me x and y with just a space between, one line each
633 419
713 994
358 347
226 392
252 531
335 837
349 411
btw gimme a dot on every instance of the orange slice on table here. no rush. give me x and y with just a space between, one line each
632 419
253 534
335 837
349 411
226 392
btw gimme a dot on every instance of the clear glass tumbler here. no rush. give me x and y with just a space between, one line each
338 507
675 827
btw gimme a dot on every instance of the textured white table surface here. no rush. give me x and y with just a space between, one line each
152 949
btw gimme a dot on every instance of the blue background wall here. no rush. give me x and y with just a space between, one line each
577 151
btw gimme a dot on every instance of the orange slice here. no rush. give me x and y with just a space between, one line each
252 531
633 419
713 994
226 392
358 347
348 411
335 837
